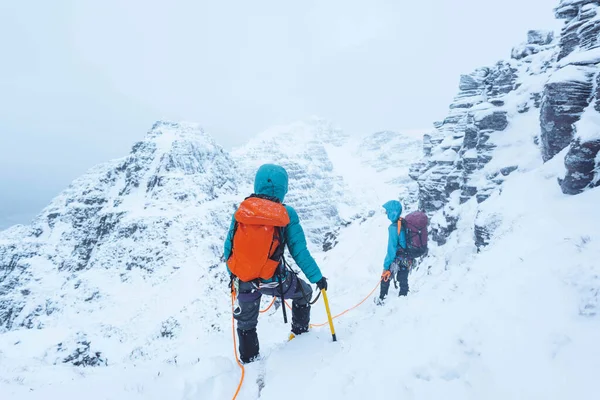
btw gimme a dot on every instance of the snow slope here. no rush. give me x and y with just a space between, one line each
519 320
122 269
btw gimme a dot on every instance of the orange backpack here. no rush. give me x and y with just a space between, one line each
257 239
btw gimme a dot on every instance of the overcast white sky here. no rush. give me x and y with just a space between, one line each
80 81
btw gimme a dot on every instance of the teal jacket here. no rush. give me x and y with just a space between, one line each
393 208
272 180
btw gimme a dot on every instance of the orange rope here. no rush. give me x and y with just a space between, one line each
350 309
235 346
270 305
267 309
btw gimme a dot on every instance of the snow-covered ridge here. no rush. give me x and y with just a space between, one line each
143 215
130 252
302 149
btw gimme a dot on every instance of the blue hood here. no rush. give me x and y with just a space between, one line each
271 180
393 208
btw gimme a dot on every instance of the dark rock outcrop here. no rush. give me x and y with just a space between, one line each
461 145
581 28
537 40
539 37
496 121
582 161
563 103
82 355
571 102
582 167
555 80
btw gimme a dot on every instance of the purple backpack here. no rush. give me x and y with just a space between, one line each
415 228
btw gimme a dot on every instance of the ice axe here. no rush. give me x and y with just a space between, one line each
326 301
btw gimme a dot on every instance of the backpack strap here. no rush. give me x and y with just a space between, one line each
402 226
279 250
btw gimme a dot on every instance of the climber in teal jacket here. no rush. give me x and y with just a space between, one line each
271 183
393 260
272 180
393 209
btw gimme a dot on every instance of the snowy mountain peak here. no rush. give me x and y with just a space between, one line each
312 129
124 215
305 149
177 130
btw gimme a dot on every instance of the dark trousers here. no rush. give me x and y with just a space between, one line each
402 267
248 306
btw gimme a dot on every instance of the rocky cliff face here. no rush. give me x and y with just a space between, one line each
571 100
485 116
552 81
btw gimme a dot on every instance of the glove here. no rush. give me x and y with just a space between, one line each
386 275
322 284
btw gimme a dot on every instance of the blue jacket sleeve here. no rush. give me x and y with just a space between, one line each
229 243
392 246
296 243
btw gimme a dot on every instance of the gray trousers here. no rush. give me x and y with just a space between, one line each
294 288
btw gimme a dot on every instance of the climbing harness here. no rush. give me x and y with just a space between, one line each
408 263
308 300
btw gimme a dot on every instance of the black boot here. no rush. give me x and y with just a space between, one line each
300 318
248 345
384 288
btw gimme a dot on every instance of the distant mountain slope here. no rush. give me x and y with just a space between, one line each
131 251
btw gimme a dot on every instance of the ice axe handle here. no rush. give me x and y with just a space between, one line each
326 301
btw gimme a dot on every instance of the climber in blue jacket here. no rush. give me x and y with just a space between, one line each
271 183
394 263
